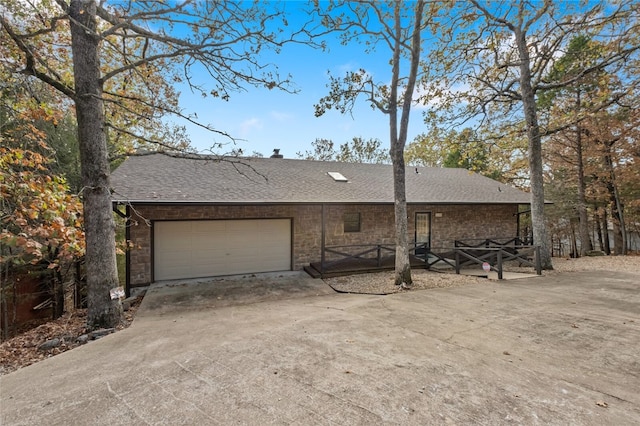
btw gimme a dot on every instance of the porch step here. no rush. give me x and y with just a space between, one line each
313 272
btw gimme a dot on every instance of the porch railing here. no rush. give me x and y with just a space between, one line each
361 255
496 256
469 252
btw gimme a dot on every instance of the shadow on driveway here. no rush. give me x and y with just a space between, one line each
167 297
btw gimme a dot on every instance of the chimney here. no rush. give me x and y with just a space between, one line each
276 154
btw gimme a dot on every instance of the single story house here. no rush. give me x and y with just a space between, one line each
201 216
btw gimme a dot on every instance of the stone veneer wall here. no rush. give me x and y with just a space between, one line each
377 226
462 222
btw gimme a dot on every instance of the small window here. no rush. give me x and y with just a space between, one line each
351 222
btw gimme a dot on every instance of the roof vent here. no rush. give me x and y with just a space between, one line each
338 177
276 154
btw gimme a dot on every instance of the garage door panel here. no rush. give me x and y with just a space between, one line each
190 249
233 226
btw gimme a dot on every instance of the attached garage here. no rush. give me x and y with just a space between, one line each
205 248
212 216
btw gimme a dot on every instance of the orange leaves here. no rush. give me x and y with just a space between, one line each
19 160
33 249
41 220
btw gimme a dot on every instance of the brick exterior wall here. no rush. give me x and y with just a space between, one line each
464 222
448 223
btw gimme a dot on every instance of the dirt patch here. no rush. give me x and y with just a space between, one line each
383 282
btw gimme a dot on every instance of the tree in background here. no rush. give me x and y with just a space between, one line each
398 27
568 103
498 55
116 63
614 171
356 151
579 142
465 149
49 118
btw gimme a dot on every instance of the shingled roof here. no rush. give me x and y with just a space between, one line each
159 178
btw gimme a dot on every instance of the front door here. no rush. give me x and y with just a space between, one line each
423 231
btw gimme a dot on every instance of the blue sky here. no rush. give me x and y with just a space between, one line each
267 119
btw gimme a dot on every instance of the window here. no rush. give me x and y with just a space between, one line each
423 231
351 222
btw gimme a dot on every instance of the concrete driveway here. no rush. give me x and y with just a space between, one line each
561 349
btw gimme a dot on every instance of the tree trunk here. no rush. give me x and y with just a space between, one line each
618 241
58 293
617 215
402 263
585 239
596 220
535 153
605 227
574 242
102 274
398 137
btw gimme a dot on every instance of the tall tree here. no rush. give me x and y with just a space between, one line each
569 103
614 168
499 54
577 111
105 41
358 150
399 27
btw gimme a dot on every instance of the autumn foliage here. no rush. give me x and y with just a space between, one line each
41 220
41 227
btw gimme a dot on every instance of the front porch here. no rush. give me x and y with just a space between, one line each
487 255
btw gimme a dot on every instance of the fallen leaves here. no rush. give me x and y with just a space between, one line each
23 349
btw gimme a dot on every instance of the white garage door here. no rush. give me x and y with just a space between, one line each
205 248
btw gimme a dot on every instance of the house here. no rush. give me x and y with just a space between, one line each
195 216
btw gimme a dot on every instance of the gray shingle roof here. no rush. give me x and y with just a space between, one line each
159 178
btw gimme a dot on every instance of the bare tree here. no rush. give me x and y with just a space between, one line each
398 27
132 41
358 150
